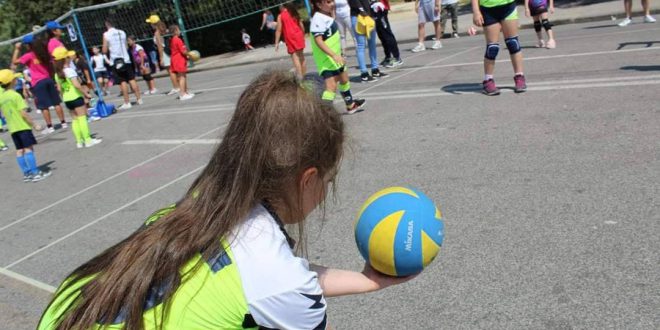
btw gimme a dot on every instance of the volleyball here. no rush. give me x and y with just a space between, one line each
399 231
194 55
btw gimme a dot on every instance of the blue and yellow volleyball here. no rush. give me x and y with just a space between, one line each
399 231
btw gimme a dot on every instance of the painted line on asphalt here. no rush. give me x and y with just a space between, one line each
47 246
15 222
28 280
171 141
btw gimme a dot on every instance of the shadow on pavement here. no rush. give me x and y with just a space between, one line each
642 68
599 26
647 43
462 88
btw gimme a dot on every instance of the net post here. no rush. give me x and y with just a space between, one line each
99 92
182 26
309 9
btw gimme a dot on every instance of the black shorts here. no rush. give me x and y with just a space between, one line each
536 11
46 94
23 139
72 105
125 74
101 74
332 73
497 14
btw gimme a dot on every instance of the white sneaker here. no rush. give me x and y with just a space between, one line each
79 145
437 44
40 176
540 44
139 102
186 97
173 91
419 48
65 125
47 130
92 143
125 106
649 19
625 22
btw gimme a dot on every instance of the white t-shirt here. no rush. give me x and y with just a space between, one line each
280 290
449 2
117 46
70 72
99 63
342 9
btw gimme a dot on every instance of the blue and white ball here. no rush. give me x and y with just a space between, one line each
399 231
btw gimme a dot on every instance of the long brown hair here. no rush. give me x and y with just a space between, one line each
277 131
293 10
58 66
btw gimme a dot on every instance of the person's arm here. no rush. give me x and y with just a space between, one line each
278 32
552 7
159 45
477 18
338 282
29 120
319 42
416 6
527 11
263 21
15 56
104 48
76 85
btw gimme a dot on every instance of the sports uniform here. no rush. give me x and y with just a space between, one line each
326 27
495 11
253 281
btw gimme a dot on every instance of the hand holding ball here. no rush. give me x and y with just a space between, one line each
194 55
399 231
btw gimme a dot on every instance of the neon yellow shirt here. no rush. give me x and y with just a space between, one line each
69 91
13 105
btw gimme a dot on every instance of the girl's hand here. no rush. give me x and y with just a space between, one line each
382 281
338 59
478 19
552 9
18 45
527 12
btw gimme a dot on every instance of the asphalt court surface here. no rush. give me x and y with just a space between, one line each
550 197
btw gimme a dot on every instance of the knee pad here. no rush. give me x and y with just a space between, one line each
546 24
147 77
513 45
537 26
491 51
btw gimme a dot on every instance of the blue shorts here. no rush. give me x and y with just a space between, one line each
101 74
23 139
46 94
498 14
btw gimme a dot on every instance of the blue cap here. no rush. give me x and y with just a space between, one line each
28 39
52 25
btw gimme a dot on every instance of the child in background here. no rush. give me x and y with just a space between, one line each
20 126
141 64
499 16
538 10
73 95
100 63
326 49
428 11
290 25
221 257
180 62
450 7
246 40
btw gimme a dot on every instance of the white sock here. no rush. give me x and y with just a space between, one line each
519 74
488 77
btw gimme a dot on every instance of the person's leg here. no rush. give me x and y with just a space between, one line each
627 5
537 28
174 80
295 58
136 89
60 114
353 105
421 33
373 50
46 114
124 91
453 10
394 45
183 84
646 7
380 31
438 30
75 129
303 63
22 164
31 161
510 29
361 44
548 30
343 29
444 12
492 33
330 90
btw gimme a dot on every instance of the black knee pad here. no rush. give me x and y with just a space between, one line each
513 45
491 51
537 26
147 77
546 24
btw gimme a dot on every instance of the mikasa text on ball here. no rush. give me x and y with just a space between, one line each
399 231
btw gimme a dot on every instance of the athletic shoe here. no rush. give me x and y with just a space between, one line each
377 74
437 44
455 35
540 44
151 92
38 111
139 101
386 62
356 106
79 145
40 176
27 178
47 131
125 106
521 86
397 62
93 118
649 19
625 22
551 44
64 125
490 88
174 91
419 48
4 148
92 142
367 78
186 97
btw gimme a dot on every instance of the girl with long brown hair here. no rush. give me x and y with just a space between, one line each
221 258
163 46
291 27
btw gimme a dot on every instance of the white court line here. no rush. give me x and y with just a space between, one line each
478 89
27 280
104 217
104 181
168 142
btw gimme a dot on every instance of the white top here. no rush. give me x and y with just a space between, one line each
70 72
342 9
117 46
449 2
246 38
99 62
280 290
